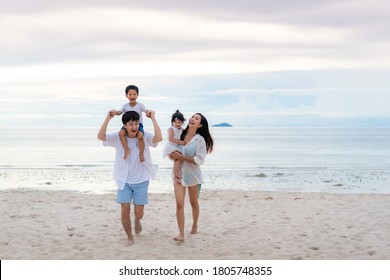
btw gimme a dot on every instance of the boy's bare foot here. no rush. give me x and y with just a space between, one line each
194 230
127 152
179 238
138 227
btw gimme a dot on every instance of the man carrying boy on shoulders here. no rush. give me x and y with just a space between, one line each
132 176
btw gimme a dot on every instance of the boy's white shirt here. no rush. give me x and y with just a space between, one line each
139 108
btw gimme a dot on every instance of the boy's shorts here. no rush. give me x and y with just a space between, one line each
140 128
136 193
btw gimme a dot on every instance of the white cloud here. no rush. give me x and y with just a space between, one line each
135 35
73 59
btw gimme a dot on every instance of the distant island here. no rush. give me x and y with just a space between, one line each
222 125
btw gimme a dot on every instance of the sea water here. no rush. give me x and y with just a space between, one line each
345 160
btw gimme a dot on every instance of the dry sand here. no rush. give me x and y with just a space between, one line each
233 225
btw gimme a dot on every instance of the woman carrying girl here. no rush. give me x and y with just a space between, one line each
198 143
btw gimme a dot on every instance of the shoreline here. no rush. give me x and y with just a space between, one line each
42 224
101 181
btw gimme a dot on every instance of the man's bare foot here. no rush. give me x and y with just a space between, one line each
138 227
194 230
179 238
129 242
127 152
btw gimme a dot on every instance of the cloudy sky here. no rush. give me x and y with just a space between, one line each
246 62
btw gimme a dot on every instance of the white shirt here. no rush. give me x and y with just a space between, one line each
170 146
139 108
190 173
131 170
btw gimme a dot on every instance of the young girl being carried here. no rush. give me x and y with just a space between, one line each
174 142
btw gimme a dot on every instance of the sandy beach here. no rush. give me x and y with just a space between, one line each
38 224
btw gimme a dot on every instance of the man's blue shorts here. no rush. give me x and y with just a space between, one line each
136 193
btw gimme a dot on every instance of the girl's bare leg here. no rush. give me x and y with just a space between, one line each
176 171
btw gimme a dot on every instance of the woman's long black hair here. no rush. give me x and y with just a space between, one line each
202 131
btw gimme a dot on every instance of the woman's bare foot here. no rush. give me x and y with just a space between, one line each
129 241
179 238
194 230
138 227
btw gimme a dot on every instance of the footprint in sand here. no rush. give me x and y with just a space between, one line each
296 258
371 253
76 247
